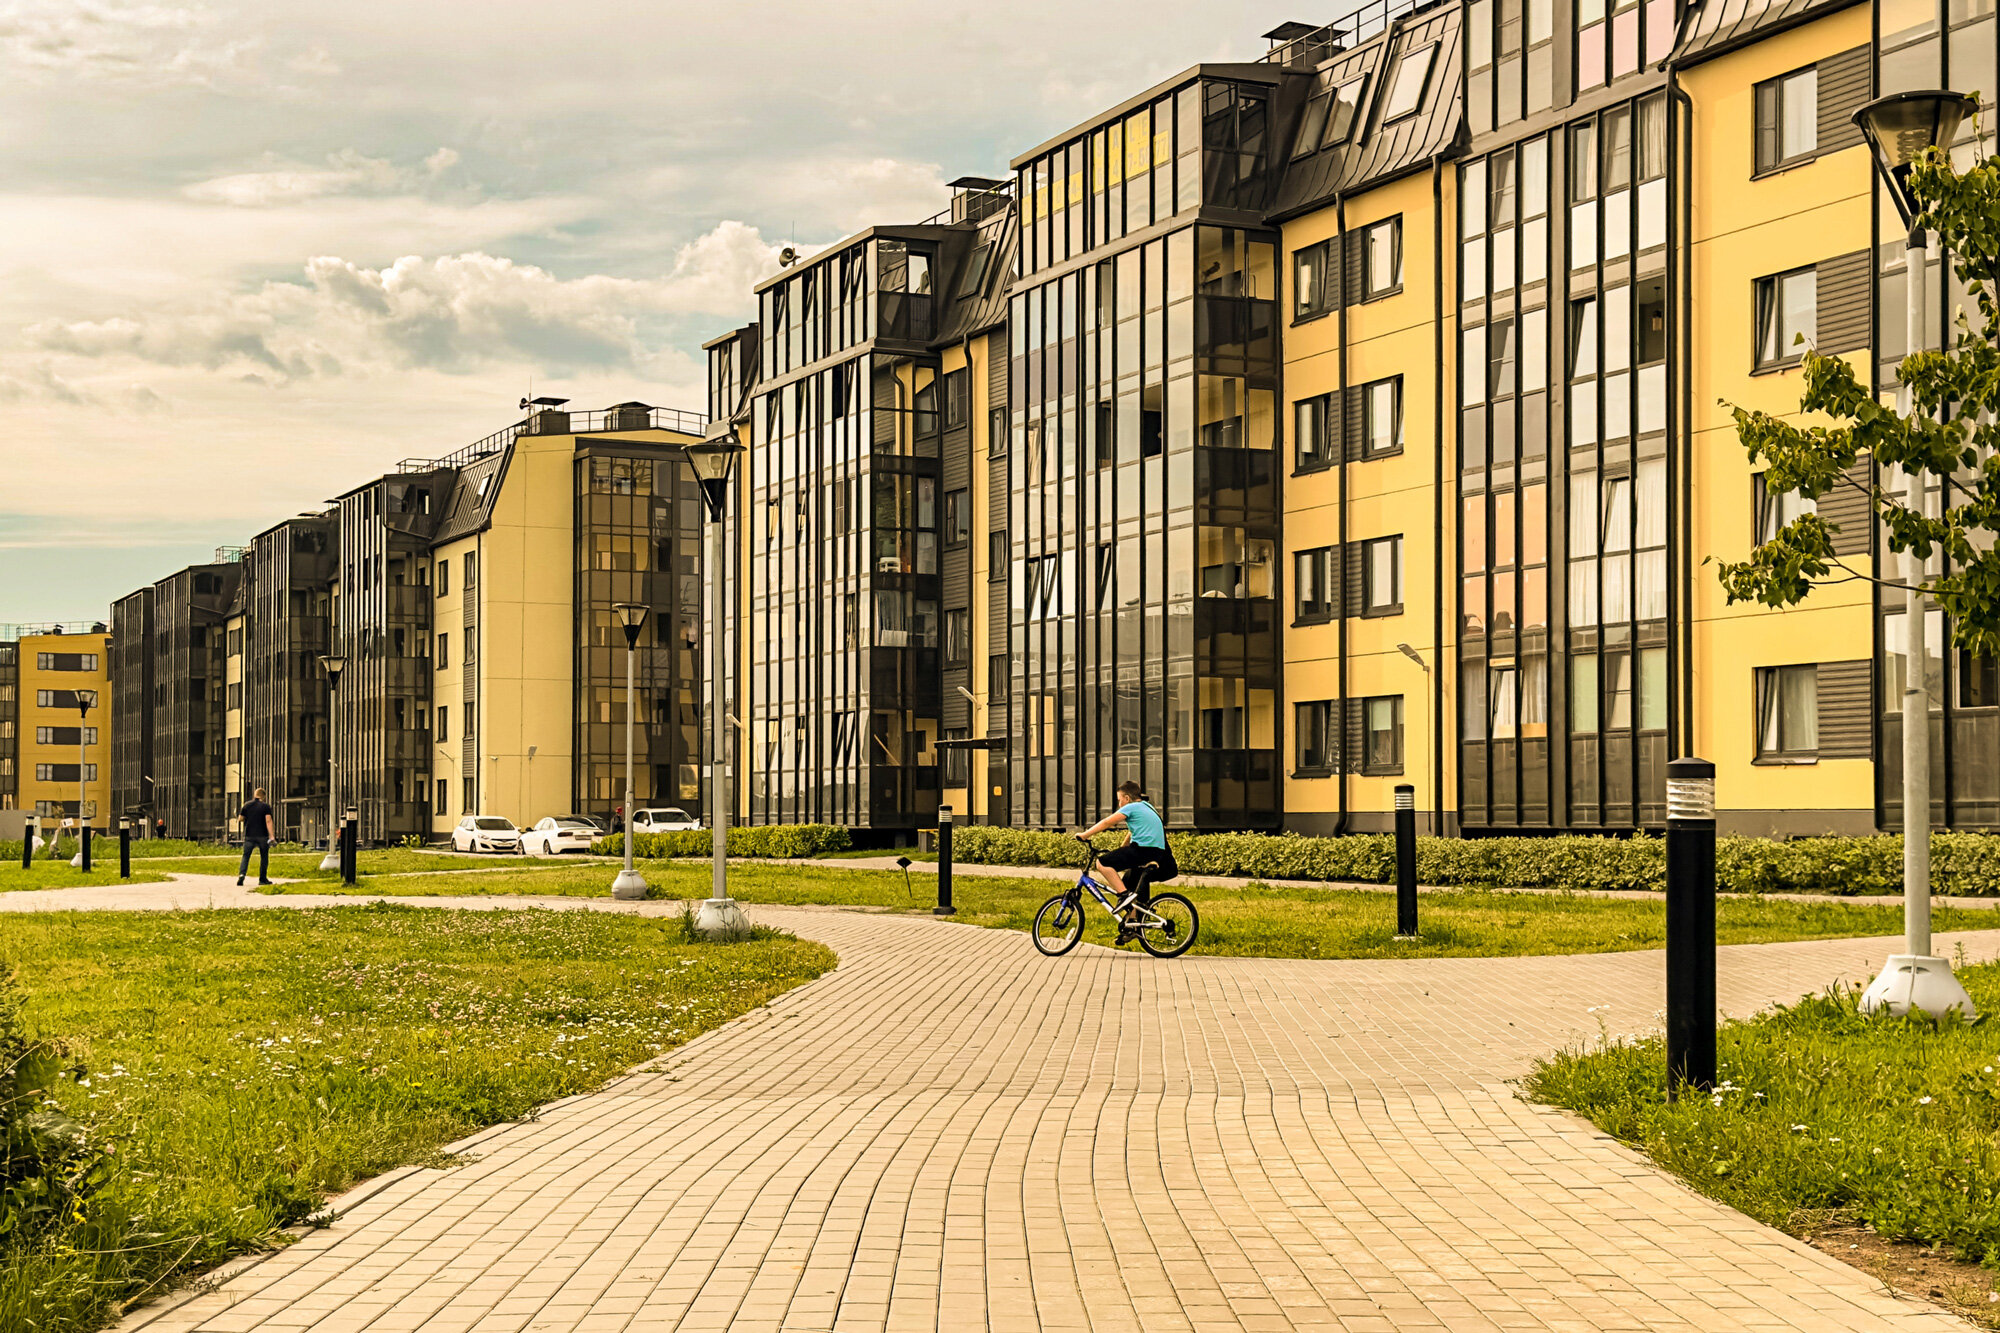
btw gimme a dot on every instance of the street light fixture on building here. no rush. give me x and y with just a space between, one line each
712 460
1900 129
333 664
631 618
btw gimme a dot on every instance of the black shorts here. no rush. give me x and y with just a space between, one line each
1132 855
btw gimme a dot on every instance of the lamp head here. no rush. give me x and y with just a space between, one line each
85 701
713 460
333 664
1413 655
632 618
1899 129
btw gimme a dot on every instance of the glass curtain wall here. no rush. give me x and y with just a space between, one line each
639 538
1933 44
1578 487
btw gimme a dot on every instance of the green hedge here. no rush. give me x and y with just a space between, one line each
1962 864
775 840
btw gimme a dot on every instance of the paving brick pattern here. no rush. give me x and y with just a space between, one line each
952 1132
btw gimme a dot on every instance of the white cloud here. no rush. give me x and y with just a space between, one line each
35 381
452 314
345 172
443 160
144 45
847 193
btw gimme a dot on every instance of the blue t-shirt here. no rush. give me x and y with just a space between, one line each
1144 822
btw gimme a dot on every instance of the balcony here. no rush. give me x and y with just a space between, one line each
409 603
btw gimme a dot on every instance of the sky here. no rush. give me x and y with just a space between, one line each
253 254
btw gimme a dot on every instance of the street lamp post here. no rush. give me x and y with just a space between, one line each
84 700
333 664
632 616
1900 129
713 460
1429 718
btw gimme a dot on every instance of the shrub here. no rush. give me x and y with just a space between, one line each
50 1165
1962 864
756 840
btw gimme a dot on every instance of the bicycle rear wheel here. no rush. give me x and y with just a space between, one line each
1059 925
1179 925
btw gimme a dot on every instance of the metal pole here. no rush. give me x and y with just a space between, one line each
944 907
331 861
1406 861
718 768
1916 698
30 831
1690 924
630 884
124 849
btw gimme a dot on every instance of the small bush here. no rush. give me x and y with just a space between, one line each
51 1166
1962 864
756 840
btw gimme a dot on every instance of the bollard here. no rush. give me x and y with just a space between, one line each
1406 861
350 832
124 849
944 907
1690 924
84 833
30 831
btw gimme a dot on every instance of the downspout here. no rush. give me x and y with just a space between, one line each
1340 389
1436 700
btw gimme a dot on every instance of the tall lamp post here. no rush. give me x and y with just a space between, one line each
713 460
1899 129
333 664
632 616
84 700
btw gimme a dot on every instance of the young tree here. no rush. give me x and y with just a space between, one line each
1949 436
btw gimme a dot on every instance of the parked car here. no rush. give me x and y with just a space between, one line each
667 819
558 834
592 820
485 833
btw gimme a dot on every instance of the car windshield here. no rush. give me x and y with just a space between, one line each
490 823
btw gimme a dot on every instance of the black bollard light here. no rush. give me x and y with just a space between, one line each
30 831
944 907
1406 861
83 832
124 849
1690 924
350 832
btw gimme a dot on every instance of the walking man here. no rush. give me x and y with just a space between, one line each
258 828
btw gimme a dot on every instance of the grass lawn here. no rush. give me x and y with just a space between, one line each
1849 1131
58 875
245 1065
295 864
1245 921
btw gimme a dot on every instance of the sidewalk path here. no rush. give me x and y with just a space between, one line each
951 1132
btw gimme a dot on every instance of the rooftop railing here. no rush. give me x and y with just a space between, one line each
28 629
1349 30
571 423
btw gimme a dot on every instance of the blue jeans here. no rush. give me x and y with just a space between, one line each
263 849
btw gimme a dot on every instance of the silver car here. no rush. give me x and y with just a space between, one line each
556 835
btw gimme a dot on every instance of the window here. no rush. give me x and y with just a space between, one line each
64 773
470 565
1406 86
1382 417
1382 576
996 433
1788 713
66 661
957 637
1346 111
1776 509
957 398
1315 443
1316 585
1382 735
1315 280
1786 313
442 803
444 724
996 677
1787 119
443 651
1382 259
1316 735
64 735
443 577
957 517
996 555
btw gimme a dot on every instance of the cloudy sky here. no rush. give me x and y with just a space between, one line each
251 254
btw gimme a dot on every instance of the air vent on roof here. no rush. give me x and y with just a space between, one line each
1302 45
975 198
629 416
547 422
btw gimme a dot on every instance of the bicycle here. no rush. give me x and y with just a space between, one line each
1166 926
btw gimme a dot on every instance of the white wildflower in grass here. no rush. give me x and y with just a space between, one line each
1923 1101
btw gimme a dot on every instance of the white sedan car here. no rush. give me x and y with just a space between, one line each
665 820
554 836
485 833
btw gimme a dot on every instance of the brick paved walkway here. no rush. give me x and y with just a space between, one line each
952 1132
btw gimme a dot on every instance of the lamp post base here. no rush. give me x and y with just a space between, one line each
1912 981
630 885
721 919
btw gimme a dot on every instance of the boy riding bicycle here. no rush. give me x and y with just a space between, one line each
1147 847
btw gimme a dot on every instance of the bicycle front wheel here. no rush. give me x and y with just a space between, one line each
1173 934
1059 925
